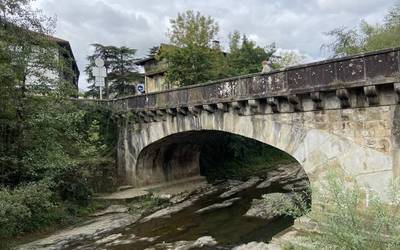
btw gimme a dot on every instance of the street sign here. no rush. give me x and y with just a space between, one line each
140 88
99 72
99 62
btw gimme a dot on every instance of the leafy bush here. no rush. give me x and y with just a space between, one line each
72 185
345 221
24 208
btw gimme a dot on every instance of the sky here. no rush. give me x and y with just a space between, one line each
297 25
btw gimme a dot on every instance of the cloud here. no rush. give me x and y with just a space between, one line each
292 24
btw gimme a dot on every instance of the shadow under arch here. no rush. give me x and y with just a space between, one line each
210 153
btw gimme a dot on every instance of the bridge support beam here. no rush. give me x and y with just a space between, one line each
195 110
397 90
372 95
295 102
211 108
274 104
241 107
317 100
344 97
223 107
172 111
182 110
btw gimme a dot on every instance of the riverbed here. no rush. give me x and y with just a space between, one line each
213 216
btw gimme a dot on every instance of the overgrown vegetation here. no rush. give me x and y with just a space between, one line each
231 156
366 37
349 218
45 139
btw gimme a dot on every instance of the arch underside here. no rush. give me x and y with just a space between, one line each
315 145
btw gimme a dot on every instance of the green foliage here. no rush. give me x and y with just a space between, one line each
245 56
231 156
25 208
367 37
192 29
192 59
44 137
345 222
191 64
121 70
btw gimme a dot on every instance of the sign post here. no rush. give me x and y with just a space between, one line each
99 73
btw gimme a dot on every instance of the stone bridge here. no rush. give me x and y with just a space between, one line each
341 113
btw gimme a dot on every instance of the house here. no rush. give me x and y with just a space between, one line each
70 70
154 71
66 53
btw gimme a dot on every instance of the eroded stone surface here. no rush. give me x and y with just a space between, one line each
92 229
112 210
205 241
253 246
226 203
236 189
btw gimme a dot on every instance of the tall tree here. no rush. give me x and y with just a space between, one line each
245 56
191 59
29 76
192 28
120 67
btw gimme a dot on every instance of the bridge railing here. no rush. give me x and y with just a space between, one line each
373 68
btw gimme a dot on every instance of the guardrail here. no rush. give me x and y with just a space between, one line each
374 68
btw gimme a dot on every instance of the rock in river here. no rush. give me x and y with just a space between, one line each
236 189
252 246
205 241
226 203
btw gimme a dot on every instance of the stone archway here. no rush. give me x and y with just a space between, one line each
317 148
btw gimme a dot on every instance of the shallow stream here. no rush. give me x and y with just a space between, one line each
227 226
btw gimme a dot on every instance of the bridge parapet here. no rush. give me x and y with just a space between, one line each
355 81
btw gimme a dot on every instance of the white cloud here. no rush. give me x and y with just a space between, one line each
293 24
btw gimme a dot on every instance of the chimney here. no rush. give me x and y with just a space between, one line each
216 45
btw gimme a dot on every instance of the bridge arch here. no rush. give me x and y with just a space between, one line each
316 149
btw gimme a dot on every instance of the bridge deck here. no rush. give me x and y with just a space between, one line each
375 68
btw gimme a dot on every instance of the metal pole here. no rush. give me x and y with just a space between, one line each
101 94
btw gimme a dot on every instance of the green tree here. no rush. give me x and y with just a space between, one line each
191 59
192 28
366 37
120 67
245 56
27 55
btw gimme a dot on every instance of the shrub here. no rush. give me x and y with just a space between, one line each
345 221
72 185
24 208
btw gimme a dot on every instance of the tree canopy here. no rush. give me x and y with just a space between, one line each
121 70
194 58
366 37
